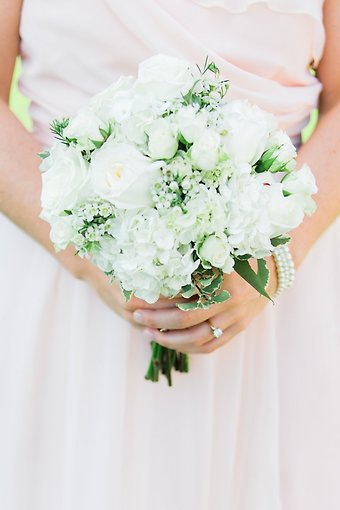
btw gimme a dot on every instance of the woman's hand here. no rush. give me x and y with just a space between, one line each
111 294
190 332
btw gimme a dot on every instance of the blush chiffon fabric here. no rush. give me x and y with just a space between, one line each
255 425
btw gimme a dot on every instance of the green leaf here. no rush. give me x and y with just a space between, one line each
127 294
244 257
264 165
188 291
213 68
192 305
204 282
257 280
97 143
204 304
43 155
276 241
103 132
215 285
224 295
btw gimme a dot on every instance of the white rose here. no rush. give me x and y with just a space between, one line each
205 150
62 231
64 179
162 142
286 153
248 129
133 128
191 123
115 102
164 77
301 183
216 250
122 175
84 127
285 213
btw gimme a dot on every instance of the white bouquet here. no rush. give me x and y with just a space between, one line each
165 186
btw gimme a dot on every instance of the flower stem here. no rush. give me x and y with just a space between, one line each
164 360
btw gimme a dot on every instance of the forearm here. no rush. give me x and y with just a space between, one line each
20 185
322 153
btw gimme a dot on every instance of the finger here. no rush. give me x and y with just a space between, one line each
185 340
193 338
162 303
228 334
173 318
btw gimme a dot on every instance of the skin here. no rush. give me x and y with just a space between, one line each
20 188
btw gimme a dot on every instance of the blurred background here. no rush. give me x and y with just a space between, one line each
19 105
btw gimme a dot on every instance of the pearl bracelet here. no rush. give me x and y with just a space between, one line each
284 267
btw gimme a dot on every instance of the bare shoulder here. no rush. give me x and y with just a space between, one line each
9 42
329 68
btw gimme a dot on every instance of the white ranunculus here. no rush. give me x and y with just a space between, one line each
301 183
285 213
216 250
247 130
191 124
62 231
164 77
205 150
64 179
122 175
162 141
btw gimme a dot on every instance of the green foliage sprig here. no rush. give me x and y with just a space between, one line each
58 127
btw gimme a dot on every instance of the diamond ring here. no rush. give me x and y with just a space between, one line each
217 332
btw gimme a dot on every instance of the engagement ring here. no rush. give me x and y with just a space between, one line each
217 332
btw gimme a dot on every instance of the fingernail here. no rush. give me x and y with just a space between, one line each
138 317
149 334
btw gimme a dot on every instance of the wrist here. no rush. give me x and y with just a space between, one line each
80 268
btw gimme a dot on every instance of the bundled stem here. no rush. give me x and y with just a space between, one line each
164 360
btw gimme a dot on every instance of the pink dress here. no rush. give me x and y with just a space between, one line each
256 425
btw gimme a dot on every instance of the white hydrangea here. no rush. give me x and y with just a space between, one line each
247 221
149 260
